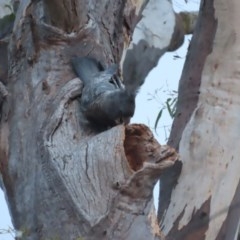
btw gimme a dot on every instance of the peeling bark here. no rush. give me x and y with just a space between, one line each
203 203
63 179
158 32
189 90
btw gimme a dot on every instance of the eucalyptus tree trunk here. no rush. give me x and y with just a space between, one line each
204 202
63 179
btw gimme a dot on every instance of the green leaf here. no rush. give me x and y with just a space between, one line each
169 108
158 118
9 7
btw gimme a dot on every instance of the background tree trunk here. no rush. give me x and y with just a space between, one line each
204 202
61 177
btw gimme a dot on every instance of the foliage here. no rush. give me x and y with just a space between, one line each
9 231
169 105
9 7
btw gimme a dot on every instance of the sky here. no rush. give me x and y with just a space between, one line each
158 86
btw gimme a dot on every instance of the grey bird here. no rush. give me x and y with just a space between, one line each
105 101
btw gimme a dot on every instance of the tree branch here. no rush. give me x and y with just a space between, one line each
153 36
160 30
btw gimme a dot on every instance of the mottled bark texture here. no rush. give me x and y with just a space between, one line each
63 179
158 31
188 91
203 203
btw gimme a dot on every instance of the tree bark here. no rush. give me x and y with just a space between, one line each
63 179
203 203
188 94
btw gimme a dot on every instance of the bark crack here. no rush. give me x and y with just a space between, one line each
86 162
69 92
3 90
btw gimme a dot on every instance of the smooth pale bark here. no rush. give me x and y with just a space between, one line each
62 178
158 31
204 204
